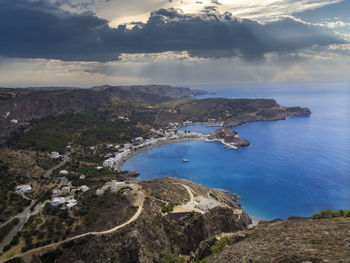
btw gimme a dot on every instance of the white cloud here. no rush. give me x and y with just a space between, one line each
126 11
336 24
119 12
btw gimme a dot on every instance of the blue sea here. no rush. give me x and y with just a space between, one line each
294 167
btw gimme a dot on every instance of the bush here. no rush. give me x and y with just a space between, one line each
347 213
219 246
168 208
330 214
171 258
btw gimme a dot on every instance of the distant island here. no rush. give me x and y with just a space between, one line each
65 199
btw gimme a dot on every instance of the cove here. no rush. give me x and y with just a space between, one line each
294 167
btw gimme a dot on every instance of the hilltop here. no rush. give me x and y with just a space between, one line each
23 105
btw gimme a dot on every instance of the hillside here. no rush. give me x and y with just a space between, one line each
165 223
289 241
25 105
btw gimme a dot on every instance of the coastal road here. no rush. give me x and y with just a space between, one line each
140 201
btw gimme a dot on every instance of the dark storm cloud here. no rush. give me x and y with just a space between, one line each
39 29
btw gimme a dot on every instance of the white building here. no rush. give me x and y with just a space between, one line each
127 145
83 188
58 201
139 139
14 121
55 155
24 188
63 172
71 203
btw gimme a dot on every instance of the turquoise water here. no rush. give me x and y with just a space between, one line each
293 167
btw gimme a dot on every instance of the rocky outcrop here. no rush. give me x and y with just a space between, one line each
229 138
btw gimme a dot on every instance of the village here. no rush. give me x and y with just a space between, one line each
171 133
64 194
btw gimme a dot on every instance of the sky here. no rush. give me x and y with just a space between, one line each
83 43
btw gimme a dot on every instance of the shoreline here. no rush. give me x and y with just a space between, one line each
134 152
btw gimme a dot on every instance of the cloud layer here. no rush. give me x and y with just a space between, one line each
40 29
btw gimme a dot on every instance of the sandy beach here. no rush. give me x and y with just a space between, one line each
134 152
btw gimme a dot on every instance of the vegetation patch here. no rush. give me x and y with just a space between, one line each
168 208
51 256
11 203
53 133
172 258
330 213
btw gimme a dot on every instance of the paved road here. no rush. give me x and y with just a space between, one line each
23 217
64 161
139 202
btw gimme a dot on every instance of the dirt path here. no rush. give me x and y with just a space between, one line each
190 205
139 202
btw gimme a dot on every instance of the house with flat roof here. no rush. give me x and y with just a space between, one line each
24 188
58 201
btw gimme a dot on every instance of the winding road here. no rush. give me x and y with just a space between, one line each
139 202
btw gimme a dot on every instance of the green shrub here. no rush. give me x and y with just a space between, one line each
168 208
347 213
329 214
171 258
219 246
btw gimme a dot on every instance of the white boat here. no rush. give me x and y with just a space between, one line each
185 160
